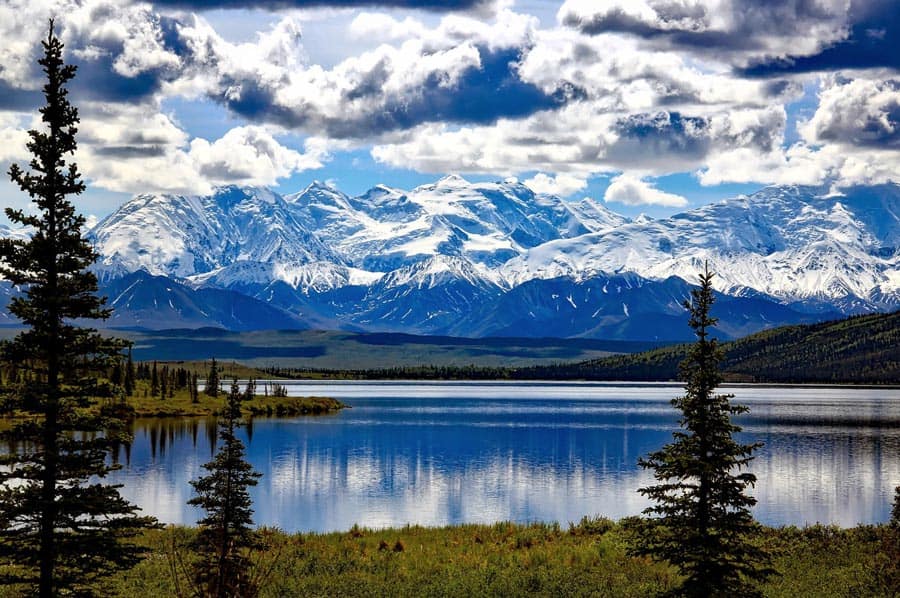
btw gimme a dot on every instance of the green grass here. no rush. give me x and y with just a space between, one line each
180 404
504 559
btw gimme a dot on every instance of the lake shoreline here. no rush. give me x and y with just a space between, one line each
342 376
211 407
574 381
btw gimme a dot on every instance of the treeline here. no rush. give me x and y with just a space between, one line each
858 349
422 372
559 371
165 381
161 381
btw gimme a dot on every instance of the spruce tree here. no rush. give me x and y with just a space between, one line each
895 511
212 380
195 393
700 520
226 533
129 375
164 382
154 381
61 527
115 376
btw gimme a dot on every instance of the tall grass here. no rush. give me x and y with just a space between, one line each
505 559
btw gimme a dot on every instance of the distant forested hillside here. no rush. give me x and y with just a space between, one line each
859 349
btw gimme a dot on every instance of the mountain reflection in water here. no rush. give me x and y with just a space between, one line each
436 454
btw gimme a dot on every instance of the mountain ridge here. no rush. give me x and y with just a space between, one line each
494 258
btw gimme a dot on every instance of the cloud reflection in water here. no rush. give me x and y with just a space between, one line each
830 456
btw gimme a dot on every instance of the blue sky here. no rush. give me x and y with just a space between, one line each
654 106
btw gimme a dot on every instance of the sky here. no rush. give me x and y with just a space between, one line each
653 106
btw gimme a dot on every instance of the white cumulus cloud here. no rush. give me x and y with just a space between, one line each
633 191
249 155
561 184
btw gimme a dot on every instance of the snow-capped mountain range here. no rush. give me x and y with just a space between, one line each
473 259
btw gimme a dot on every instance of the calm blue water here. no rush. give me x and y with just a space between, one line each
441 453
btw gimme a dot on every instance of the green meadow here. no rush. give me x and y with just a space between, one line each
505 559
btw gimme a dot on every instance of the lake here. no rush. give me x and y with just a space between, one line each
436 453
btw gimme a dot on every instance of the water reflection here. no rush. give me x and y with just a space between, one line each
474 453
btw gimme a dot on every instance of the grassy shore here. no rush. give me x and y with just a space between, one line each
181 405
588 559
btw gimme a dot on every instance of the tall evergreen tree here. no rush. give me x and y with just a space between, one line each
226 532
115 375
212 380
164 382
195 393
154 381
700 520
895 511
129 375
61 528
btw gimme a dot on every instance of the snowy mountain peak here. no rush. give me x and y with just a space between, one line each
317 191
379 192
322 185
451 180
319 194
181 236
794 243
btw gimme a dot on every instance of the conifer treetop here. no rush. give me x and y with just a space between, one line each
700 518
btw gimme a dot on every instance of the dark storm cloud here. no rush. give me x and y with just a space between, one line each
16 99
766 27
256 102
431 5
617 20
371 83
881 132
663 134
479 96
678 25
128 152
673 141
872 42
98 79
